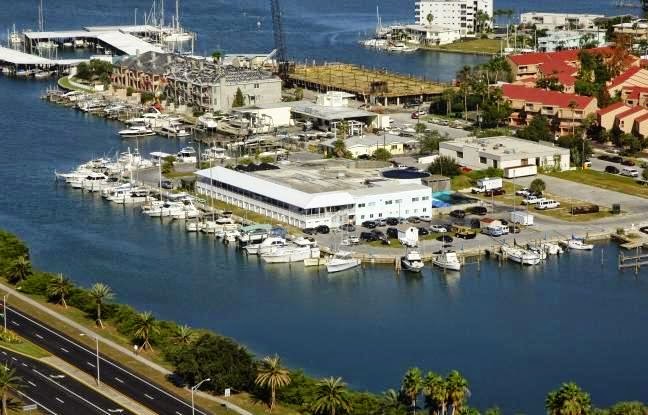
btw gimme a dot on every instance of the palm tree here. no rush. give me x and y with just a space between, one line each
331 397
19 270
185 335
448 95
59 287
101 293
435 390
390 400
457 390
429 18
145 326
411 386
270 374
570 399
8 380
572 106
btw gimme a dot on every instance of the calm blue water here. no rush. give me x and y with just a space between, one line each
515 333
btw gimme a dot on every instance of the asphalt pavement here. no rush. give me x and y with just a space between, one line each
55 393
130 384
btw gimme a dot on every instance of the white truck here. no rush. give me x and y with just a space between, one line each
522 218
486 184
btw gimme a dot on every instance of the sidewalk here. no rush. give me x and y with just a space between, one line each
106 342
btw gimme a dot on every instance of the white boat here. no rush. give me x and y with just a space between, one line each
192 226
520 255
341 261
15 38
166 209
42 74
133 160
297 251
91 105
187 155
538 250
268 245
92 182
68 44
447 260
214 153
47 45
79 43
401 48
412 261
209 121
579 244
136 131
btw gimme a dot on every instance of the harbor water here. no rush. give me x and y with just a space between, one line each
514 332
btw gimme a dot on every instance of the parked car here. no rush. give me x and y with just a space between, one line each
413 219
612 170
444 238
368 237
392 233
417 114
425 218
459 214
629 172
547 204
348 227
381 222
628 162
167 184
379 234
310 231
494 192
532 200
475 223
525 191
423 231
616 159
513 228
466 234
391 221
604 157
369 224
478 210
438 229
323 229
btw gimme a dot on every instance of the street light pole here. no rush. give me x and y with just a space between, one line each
193 390
97 354
4 310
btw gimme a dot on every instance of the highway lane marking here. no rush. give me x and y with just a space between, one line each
118 380
64 349
13 322
24 364
149 396
13 358
37 403
90 364
71 392
59 399
178 413
4 353
38 335
31 383
92 352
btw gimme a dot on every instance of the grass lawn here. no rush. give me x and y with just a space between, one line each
510 199
461 182
25 347
607 181
177 174
65 83
481 46
243 400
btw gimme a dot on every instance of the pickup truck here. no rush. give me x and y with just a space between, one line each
532 200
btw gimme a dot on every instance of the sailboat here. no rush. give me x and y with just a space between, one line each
177 33
47 45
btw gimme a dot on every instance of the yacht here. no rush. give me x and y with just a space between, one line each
549 248
297 251
15 39
133 160
192 226
266 246
520 255
107 192
187 155
209 121
412 261
132 197
136 131
175 130
46 45
189 211
341 261
214 153
579 244
92 105
97 182
447 260
166 209
400 47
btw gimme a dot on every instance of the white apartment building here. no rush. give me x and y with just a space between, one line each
566 21
308 198
453 14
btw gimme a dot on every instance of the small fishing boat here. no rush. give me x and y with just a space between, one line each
412 261
342 261
579 244
447 260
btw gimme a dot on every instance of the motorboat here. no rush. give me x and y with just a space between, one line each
448 260
166 209
192 226
214 153
297 251
174 130
341 261
209 121
136 131
97 182
189 211
133 160
412 261
187 155
579 244
79 43
400 47
42 74
538 250
93 105
108 192
47 45
520 255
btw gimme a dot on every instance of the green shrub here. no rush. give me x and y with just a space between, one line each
36 284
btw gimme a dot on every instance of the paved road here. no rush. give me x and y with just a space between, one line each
119 378
54 393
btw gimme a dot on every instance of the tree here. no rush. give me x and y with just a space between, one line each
239 99
8 381
411 386
644 174
216 56
100 293
429 18
299 94
272 375
144 327
448 96
551 83
570 399
83 71
435 391
429 143
226 363
58 288
340 150
184 335
457 390
331 397
19 270
382 154
445 166
420 128
342 130
537 130
579 149
537 186
390 400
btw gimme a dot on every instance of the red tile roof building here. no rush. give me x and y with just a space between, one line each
551 104
633 77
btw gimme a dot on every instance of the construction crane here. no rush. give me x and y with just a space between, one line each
279 39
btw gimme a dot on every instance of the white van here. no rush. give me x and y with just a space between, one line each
547 204
630 172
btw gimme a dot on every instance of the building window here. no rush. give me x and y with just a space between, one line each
394 147
425 198
459 154
372 204
362 216
371 216
398 201
380 215
256 85
482 160
361 205
424 209
415 199
388 202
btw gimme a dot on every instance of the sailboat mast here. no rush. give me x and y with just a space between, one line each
177 17
161 13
